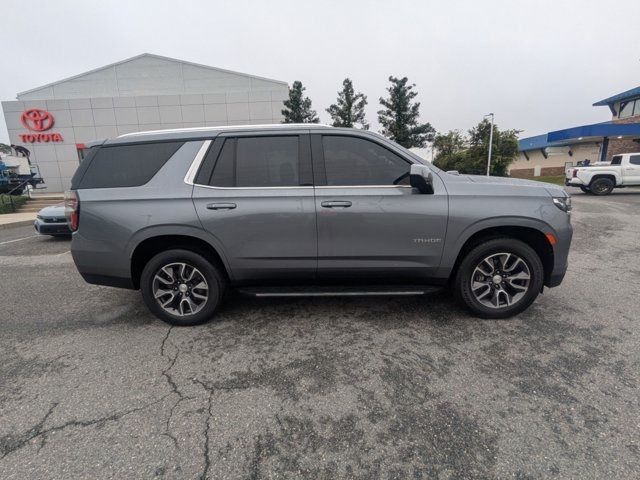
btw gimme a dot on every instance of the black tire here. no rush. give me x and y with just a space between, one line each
464 276
17 192
214 278
602 186
586 190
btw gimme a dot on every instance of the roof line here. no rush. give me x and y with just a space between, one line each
631 93
275 126
111 65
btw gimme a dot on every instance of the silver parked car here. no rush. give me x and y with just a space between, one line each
52 221
296 210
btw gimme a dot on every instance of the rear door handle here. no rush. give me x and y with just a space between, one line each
221 206
336 204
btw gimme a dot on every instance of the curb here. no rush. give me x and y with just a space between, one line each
20 223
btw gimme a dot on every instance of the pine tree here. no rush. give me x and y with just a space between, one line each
298 107
349 109
399 119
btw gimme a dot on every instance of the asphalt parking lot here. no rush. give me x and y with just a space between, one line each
92 386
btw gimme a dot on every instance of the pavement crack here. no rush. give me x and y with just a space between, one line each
207 438
9 444
172 384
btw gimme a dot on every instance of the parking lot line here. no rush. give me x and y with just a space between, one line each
18 239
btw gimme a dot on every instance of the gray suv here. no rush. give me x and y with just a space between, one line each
293 210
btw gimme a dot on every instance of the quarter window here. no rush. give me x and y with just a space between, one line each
126 165
258 162
356 161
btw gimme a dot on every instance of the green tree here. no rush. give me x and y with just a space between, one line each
469 155
399 118
298 107
349 109
450 148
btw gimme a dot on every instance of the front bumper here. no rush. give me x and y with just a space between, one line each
51 228
564 236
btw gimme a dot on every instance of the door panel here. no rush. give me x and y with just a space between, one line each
392 234
268 234
374 230
631 172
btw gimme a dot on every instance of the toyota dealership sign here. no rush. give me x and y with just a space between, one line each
38 121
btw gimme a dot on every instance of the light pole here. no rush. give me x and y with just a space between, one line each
490 144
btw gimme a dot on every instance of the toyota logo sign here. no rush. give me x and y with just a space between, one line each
37 120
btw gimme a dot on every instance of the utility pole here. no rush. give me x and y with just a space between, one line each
490 144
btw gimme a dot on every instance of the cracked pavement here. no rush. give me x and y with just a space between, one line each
93 386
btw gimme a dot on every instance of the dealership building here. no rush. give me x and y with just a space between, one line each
146 92
553 152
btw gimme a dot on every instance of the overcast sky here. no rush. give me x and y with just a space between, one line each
539 65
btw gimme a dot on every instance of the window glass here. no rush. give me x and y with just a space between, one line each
636 111
634 159
627 109
356 161
257 162
616 160
267 162
223 172
126 165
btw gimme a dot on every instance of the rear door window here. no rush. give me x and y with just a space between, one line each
634 159
127 165
257 162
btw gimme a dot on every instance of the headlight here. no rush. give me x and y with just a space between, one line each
563 203
39 217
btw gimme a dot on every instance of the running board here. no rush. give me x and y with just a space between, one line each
340 291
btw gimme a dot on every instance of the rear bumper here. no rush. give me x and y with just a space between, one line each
44 228
108 281
574 182
99 263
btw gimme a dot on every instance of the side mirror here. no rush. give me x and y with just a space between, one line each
421 178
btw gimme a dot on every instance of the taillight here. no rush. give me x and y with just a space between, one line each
575 173
72 209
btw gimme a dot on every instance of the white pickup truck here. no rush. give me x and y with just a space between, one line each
601 179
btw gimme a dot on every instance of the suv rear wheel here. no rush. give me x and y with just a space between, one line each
499 278
181 287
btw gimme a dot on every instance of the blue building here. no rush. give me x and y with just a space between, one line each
552 152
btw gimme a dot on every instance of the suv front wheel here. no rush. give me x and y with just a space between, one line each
181 287
499 278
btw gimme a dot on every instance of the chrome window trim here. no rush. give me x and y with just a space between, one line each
197 161
299 186
249 188
364 186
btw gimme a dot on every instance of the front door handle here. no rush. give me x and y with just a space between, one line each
221 206
336 204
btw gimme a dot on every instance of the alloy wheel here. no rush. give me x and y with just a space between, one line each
180 289
500 280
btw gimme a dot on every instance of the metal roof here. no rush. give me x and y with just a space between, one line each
634 92
149 55
596 131
533 143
